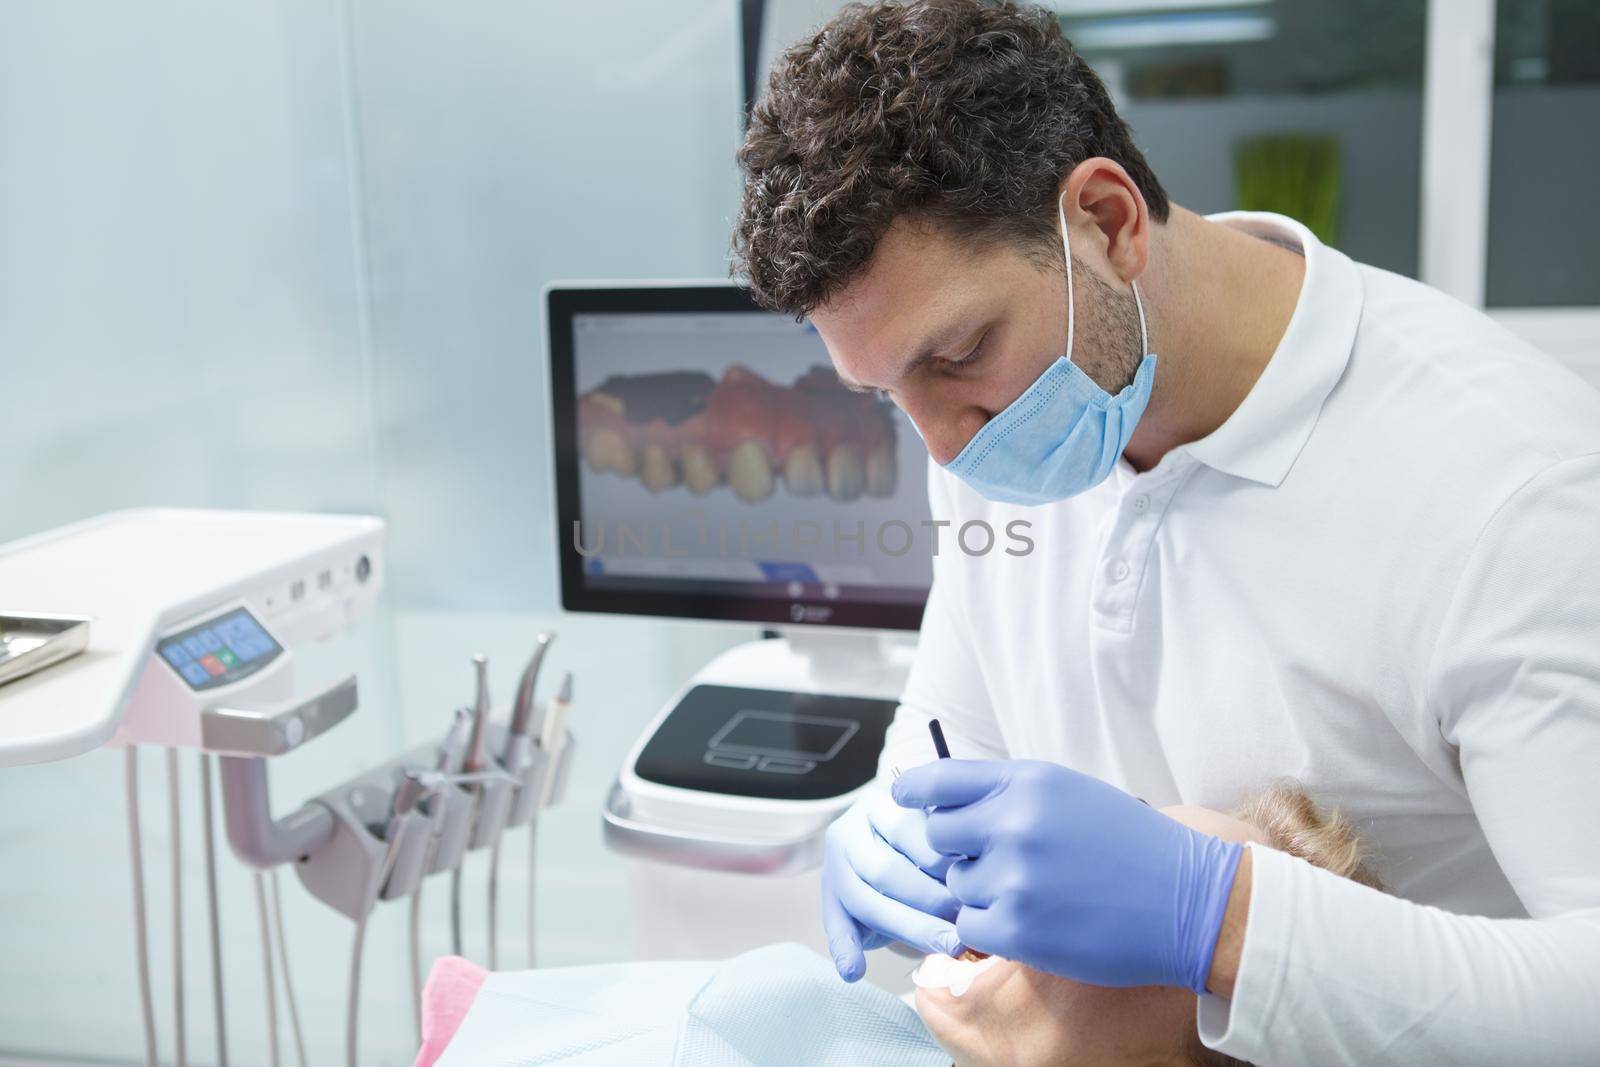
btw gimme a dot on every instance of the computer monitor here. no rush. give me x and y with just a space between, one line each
709 464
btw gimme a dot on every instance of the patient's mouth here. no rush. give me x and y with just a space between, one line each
939 971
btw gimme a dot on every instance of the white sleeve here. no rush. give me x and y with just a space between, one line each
1333 972
945 680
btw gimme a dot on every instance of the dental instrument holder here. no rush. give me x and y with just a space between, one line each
454 821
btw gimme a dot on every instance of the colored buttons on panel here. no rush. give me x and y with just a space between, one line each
194 674
213 665
249 647
236 630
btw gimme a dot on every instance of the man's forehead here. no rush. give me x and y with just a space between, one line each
907 289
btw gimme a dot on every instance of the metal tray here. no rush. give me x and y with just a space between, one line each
32 642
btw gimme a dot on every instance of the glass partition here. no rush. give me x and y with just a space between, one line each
1544 232
1309 109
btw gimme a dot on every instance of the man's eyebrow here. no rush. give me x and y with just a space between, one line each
940 340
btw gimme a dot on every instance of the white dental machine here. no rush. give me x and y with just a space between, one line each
178 628
709 465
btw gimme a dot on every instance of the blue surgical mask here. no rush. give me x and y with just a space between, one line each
1064 433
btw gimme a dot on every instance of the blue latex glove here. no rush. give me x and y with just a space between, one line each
883 882
1071 875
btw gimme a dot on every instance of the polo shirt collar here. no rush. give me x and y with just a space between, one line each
1262 438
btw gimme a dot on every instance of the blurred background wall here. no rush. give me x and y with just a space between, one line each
288 254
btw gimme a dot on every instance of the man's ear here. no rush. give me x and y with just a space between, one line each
1104 205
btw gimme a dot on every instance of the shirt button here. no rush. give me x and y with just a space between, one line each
1141 504
1119 571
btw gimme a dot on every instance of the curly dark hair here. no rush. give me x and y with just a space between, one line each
963 112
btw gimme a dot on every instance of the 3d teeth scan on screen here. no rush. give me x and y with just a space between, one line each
683 428
717 453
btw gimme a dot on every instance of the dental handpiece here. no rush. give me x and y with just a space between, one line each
554 731
454 747
478 744
523 710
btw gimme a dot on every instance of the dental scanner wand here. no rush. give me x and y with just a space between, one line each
942 749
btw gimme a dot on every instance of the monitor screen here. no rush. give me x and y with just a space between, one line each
709 464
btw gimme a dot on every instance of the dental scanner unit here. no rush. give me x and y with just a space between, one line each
178 628
685 418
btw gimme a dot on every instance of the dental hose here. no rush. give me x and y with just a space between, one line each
448 761
416 959
411 792
533 871
455 909
181 1054
271 983
553 739
288 982
494 900
370 902
141 930
219 1012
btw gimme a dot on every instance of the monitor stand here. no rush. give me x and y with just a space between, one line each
863 663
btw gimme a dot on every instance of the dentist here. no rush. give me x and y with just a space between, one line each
1291 515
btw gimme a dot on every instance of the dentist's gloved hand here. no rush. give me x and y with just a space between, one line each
1071 875
883 882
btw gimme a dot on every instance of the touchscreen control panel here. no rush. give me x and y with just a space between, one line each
219 651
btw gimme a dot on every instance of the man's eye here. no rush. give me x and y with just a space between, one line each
973 356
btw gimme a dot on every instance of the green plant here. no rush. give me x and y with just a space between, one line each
1293 174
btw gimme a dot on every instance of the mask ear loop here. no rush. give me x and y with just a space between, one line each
1066 250
1144 335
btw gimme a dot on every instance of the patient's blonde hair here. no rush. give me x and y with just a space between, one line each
1292 822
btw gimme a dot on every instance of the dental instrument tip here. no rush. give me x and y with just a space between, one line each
477 747
524 710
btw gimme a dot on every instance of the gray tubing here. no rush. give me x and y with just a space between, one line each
218 1011
288 983
266 961
416 959
533 871
256 837
180 1056
494 902
455 909
352 1016
141 930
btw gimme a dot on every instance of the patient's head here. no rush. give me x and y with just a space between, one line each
1016 1015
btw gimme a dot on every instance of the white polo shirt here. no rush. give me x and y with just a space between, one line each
1380 576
